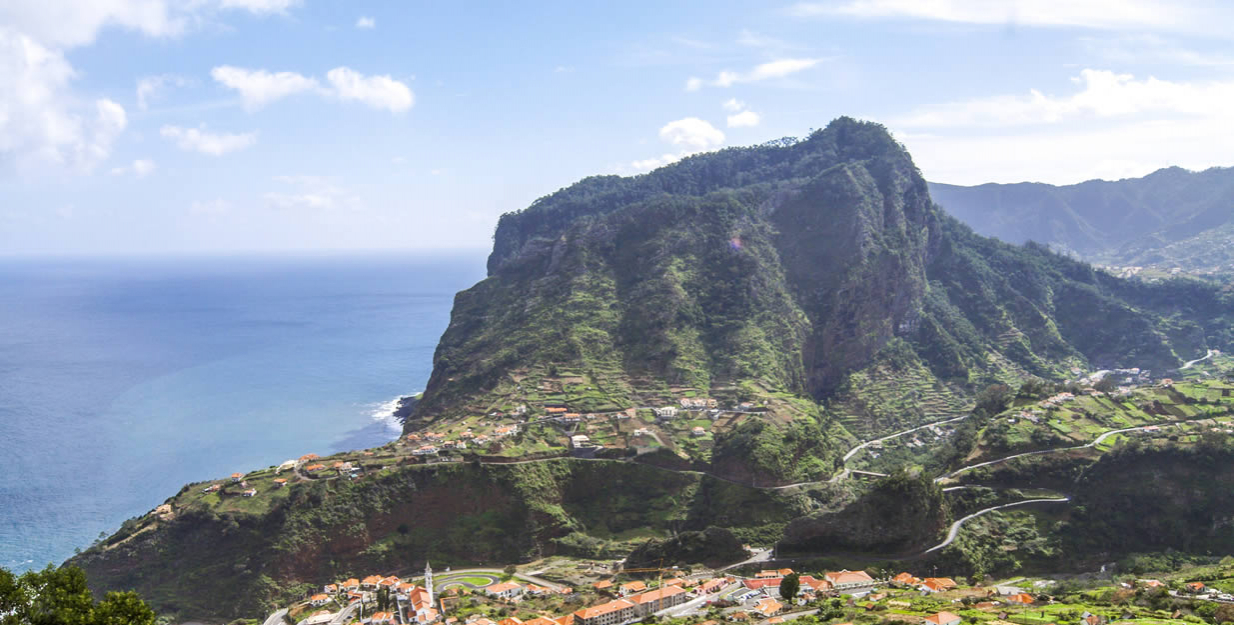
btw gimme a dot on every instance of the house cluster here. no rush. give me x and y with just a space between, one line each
767 583
1033 415
433 443
927 585
410 603
514 591
1056 400
698 403
635 602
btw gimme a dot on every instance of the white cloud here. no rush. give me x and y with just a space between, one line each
744 119
1098 14
779 68
1103 94
733 105
365 22
149 88
40 119
299 200
71 23
310 193
692 133
141 168
217 206
381 92
756 40
656 162
260 6
258 87
213 144
1128 49
1113 125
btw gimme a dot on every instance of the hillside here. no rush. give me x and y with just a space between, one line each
236 556
817 269
709 340
1170 218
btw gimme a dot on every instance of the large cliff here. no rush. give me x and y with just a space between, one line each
818 268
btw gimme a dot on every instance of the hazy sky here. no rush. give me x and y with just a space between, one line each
224 125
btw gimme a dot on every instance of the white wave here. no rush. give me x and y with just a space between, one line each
383 413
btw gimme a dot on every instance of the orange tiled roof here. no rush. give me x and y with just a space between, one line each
658 594
602 609
848 577
942 617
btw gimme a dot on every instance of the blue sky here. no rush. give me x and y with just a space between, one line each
155 126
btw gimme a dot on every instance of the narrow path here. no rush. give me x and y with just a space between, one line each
1190 363
1092 443
955 527
344 614
463 572
852 452
276 618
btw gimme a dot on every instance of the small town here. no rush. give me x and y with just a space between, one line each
759 597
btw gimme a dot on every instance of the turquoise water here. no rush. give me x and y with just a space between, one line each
121 380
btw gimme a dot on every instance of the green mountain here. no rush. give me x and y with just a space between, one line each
1170 218
815 269
813 281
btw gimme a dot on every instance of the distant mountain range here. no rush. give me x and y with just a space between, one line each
1171 218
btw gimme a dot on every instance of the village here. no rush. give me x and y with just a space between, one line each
763 597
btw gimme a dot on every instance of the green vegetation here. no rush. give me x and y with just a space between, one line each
234 563
1170 218
817 294
60 597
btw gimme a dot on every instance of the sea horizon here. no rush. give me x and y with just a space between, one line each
129 376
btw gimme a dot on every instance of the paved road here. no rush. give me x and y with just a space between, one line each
276 618
1093 443
955 527
344 615
759 556
452 578
535 580
1190 363
852 452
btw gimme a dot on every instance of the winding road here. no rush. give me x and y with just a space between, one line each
955 527
276 618
852 452
1191 363
1092 443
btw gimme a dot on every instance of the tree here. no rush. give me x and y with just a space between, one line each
60 597
510 570
993 400
1224 614
789 586
123 608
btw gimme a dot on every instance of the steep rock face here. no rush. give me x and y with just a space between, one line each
898 515
800 265
1146 499
818 268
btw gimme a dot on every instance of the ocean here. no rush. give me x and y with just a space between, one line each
123 379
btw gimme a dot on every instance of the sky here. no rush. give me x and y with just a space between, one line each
221 126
